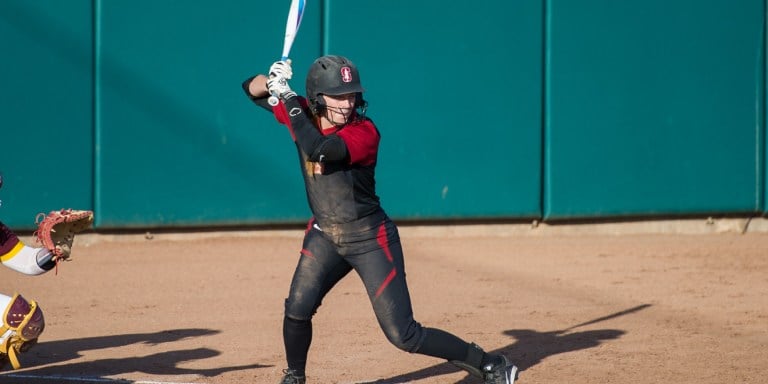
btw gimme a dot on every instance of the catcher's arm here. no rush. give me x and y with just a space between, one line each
16 255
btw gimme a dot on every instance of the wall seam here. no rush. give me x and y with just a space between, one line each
545 121
325 22
761 69
96 109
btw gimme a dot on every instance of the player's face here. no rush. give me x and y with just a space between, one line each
339 108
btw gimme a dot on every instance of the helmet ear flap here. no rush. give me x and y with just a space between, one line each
318 105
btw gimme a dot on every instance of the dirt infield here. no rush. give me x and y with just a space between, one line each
579 307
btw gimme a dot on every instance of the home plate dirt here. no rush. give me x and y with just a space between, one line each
582 306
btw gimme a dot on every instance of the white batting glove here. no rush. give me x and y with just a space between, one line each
278 86
281 69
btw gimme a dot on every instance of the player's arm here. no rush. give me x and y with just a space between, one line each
318 148
255 88
15 255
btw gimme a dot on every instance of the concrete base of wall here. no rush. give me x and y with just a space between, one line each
683 226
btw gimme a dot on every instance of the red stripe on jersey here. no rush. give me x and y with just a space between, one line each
381 237
307 252
309 225
386 282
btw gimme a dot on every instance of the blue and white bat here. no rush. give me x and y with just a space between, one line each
295 14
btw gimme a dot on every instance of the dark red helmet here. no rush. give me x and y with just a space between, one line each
332 75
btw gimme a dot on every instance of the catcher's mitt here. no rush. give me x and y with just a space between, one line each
57 230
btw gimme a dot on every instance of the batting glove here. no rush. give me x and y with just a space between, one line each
281 69
279 87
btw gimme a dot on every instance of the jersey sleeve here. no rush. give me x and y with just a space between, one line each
362 142
281 114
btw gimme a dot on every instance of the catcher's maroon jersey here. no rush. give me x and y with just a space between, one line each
8 240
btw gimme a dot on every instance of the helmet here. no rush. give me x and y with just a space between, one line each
332 75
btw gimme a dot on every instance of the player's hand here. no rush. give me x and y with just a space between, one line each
278 86
281 69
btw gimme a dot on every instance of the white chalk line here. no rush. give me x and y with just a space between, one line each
105 380
89 379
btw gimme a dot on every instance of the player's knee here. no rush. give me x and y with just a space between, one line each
22 324
298 310
407 338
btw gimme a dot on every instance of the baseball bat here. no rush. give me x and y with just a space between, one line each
295 14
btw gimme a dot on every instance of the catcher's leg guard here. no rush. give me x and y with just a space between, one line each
22 324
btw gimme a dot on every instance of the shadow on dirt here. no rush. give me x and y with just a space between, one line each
163 363
529 348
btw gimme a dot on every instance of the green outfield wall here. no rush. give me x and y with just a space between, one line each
654 108
46 108
546 110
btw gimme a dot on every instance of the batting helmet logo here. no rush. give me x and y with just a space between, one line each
346 74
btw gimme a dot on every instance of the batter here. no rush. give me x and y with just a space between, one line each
338 148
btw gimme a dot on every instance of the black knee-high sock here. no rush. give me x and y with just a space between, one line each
438 343
297 335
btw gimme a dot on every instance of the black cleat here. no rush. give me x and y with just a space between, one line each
501 373
292 378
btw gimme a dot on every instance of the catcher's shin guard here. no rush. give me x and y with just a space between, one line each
22 323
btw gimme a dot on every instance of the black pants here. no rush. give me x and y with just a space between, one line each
374 252
376 255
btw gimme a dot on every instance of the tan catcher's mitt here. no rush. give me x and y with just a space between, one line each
57 230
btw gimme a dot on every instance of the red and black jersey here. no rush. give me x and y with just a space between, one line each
338 164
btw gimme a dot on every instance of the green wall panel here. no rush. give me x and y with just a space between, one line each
46 94
498 110
456 93
178 142
653 107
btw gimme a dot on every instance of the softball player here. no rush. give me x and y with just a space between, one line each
22 321
338 147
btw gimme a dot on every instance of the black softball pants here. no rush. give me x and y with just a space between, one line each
374 252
